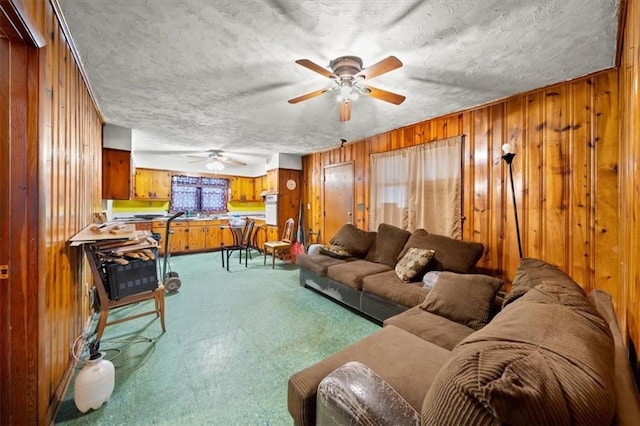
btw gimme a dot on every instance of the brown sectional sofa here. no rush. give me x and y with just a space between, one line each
552 355
366 279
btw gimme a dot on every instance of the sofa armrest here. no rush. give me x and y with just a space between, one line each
355 394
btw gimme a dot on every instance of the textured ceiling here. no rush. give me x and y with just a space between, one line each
217 74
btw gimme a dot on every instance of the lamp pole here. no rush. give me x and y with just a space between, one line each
508 156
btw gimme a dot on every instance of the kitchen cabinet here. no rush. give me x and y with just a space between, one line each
197 237
259 185
273 233
272 180
151 184
116 174
213 235
143 226
179 238
242 189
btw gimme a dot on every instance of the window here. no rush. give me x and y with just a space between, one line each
199 194
419 187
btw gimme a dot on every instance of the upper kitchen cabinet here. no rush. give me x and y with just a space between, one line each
242 189
272 180
116 174
259 185
150 184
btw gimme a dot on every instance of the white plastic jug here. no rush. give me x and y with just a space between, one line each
94 384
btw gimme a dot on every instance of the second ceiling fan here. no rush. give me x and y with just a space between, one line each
349 77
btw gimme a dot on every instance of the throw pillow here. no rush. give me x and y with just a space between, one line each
334 251
388 243
430 279
413 263
463 298
354 240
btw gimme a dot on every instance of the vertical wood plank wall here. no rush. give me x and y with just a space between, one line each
65 140
565 174
630 170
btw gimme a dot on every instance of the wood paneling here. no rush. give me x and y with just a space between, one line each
53 174
565 176
628 295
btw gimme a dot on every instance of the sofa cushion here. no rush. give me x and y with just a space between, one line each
388 286
354 240
317 263
463 298
412 265
530 273
335 251
451 254
388 243
538 361
391 352
352 273
417 239
430 327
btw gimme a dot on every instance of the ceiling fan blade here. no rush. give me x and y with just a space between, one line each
384 66
199 159
146 151
227 160
345 111
315 67
383 95
308 96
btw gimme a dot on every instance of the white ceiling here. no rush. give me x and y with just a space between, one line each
217 74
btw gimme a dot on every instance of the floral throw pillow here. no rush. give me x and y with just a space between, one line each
413 264
335 251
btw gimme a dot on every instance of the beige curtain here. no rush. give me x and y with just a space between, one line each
419 187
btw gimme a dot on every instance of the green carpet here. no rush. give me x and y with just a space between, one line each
232 341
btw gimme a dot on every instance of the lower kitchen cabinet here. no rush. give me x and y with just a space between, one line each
178 238
196 236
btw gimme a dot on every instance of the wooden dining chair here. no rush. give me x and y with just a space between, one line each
241 244
282 246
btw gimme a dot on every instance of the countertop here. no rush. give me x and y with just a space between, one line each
133 219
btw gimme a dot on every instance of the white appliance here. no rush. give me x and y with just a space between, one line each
271 209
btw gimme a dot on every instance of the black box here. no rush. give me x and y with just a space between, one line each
125 280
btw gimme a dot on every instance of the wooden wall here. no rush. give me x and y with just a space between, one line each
566 176
55 152
630 171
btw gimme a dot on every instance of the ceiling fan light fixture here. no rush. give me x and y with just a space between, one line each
345 93
214 164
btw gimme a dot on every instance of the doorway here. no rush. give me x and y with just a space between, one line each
338 198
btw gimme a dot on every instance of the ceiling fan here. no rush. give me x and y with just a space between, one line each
216 160
349 77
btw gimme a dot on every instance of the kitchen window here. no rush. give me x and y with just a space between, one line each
199 194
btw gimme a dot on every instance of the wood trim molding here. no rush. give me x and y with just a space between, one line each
15 25
622 19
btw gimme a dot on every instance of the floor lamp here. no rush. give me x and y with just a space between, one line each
509 154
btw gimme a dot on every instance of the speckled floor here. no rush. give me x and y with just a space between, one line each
232 341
